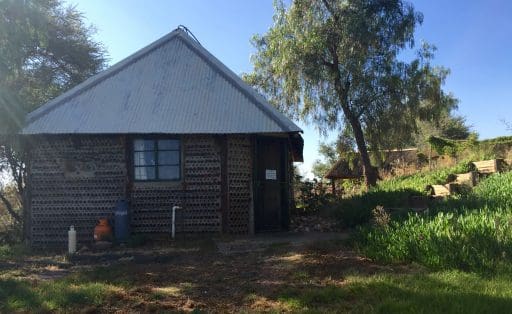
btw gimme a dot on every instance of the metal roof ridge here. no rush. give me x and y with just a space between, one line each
100 77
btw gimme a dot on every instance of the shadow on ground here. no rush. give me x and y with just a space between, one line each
321 275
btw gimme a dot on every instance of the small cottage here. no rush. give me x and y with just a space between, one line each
168 126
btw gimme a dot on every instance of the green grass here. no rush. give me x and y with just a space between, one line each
476 241
419 181
438 292
88 288
392 193
472 232
63 295
13 251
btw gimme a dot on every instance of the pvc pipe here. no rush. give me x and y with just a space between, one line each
173 227
71 240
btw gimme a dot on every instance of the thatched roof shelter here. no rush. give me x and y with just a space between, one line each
346 169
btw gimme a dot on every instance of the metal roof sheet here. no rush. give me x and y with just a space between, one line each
172 86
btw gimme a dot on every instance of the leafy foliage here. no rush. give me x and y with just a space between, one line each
312 196
45 49
336 63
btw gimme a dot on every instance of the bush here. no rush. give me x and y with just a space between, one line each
312 197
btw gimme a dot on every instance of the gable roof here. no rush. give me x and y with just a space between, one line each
172 86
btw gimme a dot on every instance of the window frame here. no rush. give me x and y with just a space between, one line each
157 165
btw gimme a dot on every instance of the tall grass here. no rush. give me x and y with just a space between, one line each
392 193
419 181
477 241
459 235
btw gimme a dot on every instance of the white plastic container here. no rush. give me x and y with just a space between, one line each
72 240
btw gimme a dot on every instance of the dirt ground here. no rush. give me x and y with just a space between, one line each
234 275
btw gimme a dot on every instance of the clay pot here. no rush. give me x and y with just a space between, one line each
103 231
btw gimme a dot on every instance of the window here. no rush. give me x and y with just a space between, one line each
156 160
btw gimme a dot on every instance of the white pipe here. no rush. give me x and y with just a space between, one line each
173 227
72 240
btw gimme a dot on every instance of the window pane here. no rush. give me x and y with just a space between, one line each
143 145
169 158
144 158
145 173
168 144
169 172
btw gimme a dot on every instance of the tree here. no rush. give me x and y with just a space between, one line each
335 63
45 48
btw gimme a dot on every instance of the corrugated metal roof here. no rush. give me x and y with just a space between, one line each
172 86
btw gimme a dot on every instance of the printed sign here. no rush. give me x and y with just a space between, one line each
271 174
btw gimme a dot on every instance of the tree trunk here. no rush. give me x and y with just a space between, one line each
369 173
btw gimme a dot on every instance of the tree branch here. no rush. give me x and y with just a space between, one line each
331 10
9 208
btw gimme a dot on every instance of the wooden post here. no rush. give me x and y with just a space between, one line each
224 189
27 202
333 186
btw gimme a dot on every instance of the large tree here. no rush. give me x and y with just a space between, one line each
45 48
336 63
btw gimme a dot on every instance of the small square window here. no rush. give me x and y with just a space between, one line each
156 159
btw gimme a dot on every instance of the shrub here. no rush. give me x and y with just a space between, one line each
312 197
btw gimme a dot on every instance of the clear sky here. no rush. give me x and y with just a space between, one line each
474 40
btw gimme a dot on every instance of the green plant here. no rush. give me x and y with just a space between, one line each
476 241
312 196
380 217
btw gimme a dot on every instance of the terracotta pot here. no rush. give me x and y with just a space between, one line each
103 231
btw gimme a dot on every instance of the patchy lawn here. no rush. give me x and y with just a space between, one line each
320 277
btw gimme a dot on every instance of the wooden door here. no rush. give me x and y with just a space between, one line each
271 184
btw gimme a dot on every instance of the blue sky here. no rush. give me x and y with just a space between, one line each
474 40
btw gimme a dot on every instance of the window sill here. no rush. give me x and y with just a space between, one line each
143 184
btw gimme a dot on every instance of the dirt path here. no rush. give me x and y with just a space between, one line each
264 241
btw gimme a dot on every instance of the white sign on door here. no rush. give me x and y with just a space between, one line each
270 174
